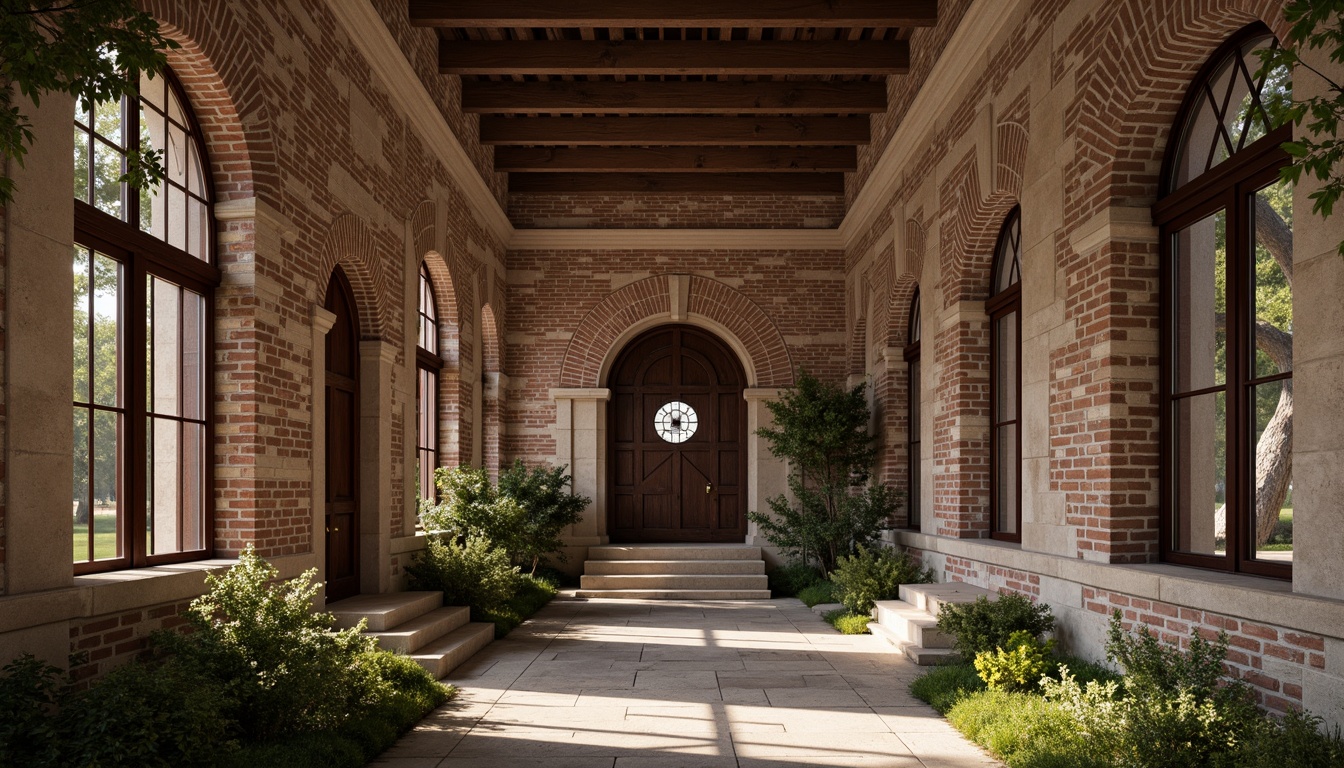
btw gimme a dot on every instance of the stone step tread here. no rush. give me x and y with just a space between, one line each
444 654
931 597
821 609
911 625
674 581
674 552
703 567
413 635
906 612
674 594
930 657
384 611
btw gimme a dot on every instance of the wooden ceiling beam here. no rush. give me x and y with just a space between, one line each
675 159
673 13
674 57
674 131
675 97
672 183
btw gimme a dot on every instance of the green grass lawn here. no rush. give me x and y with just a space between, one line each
104 538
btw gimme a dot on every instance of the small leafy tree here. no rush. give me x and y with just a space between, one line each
822 430
84 48
1319 153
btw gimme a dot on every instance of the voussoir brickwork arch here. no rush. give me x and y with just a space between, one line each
219 70
971 223
648 302
351 245
1141 58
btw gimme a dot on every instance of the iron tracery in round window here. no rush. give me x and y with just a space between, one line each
675 422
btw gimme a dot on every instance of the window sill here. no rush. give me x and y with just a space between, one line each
100 594
1259 599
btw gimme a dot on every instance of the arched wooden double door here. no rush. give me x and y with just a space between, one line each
342 395
677 447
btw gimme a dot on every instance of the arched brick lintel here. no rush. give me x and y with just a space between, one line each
350 245
622 314
1129 93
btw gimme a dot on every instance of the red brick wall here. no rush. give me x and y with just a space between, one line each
552 292
629 211
105 642
1249 644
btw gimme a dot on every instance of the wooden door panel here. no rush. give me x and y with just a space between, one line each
658 488
342 443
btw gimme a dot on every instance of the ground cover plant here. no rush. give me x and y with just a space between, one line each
1169 708
817 594
791 578
822 431
260 680
848 623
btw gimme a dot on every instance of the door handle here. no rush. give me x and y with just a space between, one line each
709 487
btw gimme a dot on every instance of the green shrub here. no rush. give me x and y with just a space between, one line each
523 515
791 578
848 623
1024 730
821 592
1296 740
875 574
986 624
29 692
277 665
1018 665
472 573
532 594
943 686
162 716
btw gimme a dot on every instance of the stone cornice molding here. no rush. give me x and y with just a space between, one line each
363 25
981 24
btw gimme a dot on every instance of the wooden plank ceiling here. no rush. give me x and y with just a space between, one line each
674 95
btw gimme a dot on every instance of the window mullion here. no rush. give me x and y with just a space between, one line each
137 384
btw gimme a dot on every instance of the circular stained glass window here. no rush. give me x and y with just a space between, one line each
675 422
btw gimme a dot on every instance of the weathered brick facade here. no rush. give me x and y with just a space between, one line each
327 149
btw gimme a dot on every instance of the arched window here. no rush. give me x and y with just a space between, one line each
428 364
1227 255
1005 377
913 394
143 306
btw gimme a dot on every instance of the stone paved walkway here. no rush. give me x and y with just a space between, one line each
656 684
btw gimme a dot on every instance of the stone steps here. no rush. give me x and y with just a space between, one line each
699 567
417 624
911 623
674 572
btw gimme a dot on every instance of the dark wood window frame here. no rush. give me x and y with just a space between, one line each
428 367
1230 187
1007 301
142 256
913 419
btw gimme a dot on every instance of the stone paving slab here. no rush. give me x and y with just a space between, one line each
683 684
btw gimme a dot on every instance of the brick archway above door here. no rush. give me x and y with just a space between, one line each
689 299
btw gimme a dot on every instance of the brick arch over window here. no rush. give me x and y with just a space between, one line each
858 346
1145 56
971 226
350 244
230 108
648 302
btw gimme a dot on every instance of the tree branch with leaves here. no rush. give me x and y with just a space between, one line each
1317 153
84 48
